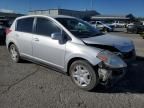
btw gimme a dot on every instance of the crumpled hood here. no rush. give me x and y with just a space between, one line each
121 43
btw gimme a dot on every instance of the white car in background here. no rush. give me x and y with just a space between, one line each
142 22
129 24
102 26
119 24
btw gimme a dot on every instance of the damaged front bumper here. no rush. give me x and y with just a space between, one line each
108 76
111 68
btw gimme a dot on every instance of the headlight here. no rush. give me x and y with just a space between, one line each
111 60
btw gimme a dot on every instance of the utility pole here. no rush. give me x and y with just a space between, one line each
29 5
91 4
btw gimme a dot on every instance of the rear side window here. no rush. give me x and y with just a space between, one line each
46 27
25 25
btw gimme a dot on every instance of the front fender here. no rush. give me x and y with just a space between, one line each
91 60
74 50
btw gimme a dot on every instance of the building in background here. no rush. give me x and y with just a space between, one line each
52 12
9 15
109 17
128 17
87 15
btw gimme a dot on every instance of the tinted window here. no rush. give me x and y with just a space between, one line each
25 25
46 27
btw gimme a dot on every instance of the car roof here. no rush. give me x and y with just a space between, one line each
51 16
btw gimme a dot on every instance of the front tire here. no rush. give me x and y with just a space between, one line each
15 56
83 75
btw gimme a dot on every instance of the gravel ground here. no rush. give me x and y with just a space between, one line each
27 85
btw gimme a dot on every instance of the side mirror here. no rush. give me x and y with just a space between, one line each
56 36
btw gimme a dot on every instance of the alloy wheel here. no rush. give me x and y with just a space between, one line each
81 75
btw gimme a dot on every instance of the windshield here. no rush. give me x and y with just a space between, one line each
79 28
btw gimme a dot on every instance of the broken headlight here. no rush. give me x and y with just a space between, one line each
111 60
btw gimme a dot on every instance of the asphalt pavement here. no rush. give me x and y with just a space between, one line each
28 85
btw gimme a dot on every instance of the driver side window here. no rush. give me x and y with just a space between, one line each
46 27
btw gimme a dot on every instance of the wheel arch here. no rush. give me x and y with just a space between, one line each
12 42
93 63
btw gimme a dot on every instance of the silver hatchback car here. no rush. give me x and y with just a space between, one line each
71 46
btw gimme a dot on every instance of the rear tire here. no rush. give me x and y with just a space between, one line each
83 75
15 56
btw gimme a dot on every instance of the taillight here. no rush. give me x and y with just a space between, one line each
7 30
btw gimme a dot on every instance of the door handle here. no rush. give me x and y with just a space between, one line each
36 39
